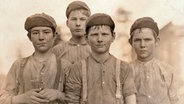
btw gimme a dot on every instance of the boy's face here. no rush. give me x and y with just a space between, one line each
76 22
144 43
42 38
100 38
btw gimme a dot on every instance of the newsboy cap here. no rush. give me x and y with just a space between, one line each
41 19
76 5
100 19
144 22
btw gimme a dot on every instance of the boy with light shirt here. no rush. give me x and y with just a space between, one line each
76 48
154 80
38 78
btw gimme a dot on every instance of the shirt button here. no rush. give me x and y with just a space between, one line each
149 96
78 45
148 76
103 82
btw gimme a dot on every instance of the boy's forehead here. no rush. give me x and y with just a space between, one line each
143 32
77 12
37 28
100 28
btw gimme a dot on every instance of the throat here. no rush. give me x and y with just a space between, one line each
78 40
40 57
101 58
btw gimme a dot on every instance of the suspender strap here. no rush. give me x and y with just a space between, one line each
84 81
58 74
20 76
118 84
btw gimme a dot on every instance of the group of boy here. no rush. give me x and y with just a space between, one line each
82 71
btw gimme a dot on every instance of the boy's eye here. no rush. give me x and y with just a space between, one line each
105 34
93 34
47 32
83 19
148 39
35 33
136 40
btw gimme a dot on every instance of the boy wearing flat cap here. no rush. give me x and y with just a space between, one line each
38 78
154 80
101 78
76 48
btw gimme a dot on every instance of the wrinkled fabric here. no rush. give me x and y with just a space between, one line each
101 81
71 51
155 82
36 74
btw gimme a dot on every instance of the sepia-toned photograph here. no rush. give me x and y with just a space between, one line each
91 52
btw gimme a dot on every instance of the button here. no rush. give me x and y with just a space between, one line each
103 82
149 96
147 76
78 44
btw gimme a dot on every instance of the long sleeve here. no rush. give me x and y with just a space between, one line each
73 84
9 88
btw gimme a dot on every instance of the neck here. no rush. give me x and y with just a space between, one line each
78 39
101 57
42 56
145 60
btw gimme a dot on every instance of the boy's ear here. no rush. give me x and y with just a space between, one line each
67 22
130 41
114 36
157 40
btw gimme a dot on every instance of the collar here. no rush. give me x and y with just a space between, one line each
147 62
71 42
107 58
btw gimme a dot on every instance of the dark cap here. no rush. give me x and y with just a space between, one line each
145 22
76 5
39 20
100 19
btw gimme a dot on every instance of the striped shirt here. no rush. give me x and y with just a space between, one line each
155 82
101 81
35 75
72 51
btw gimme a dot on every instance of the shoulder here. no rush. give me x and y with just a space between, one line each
59 46
17 64
165 67
125 65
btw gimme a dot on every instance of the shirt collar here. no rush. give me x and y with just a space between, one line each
146 63
71 42
108 58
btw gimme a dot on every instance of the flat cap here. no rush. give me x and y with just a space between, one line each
76 5
145 22
41 19
100 19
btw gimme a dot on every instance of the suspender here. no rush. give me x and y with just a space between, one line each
84 82
58 74
20 78
118 83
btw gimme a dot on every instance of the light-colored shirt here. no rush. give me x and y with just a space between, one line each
35 74
155 82
101 81
72 51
